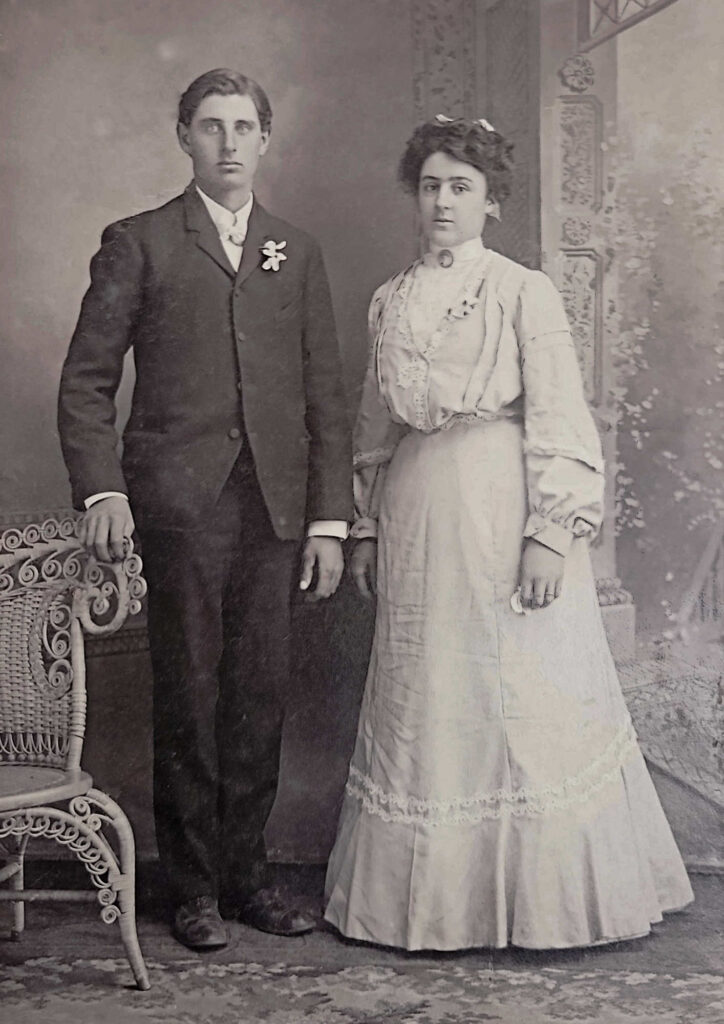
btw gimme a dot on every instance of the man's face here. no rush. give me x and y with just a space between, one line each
224 141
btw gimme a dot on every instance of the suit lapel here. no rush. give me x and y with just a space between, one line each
259 231
200 223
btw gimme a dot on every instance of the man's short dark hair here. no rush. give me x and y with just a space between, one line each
224 82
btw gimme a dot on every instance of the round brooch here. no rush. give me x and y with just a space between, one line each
445 258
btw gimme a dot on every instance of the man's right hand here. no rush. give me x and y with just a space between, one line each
106 528
363 565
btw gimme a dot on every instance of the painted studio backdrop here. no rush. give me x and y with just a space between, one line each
618 196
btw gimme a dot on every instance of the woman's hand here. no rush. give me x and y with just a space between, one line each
541 575
363 566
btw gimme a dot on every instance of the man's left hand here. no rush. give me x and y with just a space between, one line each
326 554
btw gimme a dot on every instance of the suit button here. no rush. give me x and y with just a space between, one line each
239 387
240 336
235 433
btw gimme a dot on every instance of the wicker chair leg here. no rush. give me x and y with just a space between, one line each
125 883
17 883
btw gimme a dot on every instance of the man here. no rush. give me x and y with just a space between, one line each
237 447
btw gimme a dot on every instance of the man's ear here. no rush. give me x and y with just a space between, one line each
182 134
264 146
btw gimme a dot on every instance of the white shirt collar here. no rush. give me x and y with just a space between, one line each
224 219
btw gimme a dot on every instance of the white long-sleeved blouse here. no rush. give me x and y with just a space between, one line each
483 339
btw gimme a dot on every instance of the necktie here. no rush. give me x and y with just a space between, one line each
235 235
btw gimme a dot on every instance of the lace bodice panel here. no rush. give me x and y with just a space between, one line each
483 339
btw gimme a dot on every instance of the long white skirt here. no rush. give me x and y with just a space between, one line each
496 793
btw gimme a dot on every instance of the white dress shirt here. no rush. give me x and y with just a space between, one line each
232 228
229 225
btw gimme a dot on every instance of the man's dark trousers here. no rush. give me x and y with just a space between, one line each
219 628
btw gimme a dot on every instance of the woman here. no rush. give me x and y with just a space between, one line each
496 793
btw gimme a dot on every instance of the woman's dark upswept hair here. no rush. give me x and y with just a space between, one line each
224 82
463 140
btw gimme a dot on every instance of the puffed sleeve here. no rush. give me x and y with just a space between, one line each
376 434
564 463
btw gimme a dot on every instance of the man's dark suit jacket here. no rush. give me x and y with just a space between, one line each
218 356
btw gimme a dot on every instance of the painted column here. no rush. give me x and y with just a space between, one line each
577 115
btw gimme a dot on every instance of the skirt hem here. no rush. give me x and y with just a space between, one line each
456 948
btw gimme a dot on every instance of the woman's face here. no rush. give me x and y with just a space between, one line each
453 200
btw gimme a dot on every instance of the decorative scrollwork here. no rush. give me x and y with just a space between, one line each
80 830
51 570
133 567
42 567
50 581
29 536
57 643
103 593
59 616
73 566
28 574
11 540
49 645
81 807
60 676
111 591
53 529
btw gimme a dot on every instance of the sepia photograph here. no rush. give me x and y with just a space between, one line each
362 511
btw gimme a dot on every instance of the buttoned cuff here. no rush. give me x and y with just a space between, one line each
337 528
101 495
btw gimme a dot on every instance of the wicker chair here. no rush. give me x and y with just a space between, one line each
51 592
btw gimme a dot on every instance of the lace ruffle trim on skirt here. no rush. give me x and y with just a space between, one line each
522 802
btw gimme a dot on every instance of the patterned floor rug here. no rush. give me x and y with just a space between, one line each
52 990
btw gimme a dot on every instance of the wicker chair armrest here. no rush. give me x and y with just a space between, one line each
109 593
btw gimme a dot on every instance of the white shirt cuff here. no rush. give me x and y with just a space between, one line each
101 495
328 528
320 528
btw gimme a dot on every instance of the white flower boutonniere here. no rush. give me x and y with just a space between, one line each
274 255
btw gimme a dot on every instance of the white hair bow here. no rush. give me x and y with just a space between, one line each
443 119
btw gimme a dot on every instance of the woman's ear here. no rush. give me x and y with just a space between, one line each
492 208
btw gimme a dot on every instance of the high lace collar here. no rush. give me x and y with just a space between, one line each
463 254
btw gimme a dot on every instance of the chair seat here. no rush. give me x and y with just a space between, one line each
23 785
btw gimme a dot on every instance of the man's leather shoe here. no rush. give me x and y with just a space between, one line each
198 924
268 911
